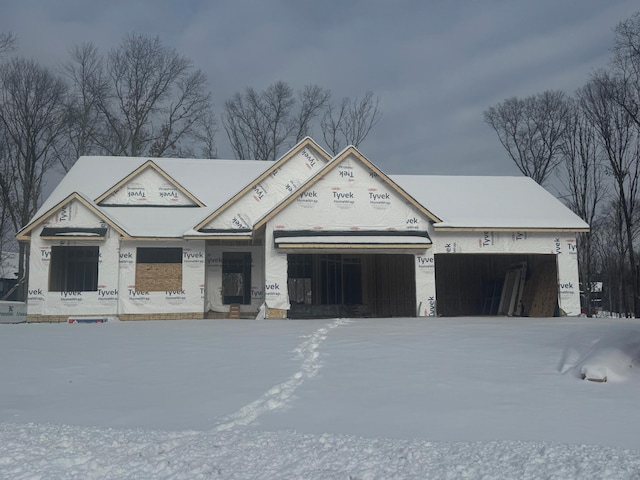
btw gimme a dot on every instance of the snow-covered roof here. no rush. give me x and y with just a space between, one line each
467 202
489 202
212 182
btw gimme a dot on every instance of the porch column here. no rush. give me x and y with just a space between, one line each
425 284
276 295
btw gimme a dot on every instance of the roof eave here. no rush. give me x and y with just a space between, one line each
512 229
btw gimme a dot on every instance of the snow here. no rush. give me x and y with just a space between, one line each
490 202
211 181
321 399
459 201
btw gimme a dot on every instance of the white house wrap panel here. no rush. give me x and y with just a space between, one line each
350 197
426 284
148 188
265 195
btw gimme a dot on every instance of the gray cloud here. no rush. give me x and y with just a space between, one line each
435 65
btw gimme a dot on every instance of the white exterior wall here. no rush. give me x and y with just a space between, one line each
188 300
563 245
350 197
214 277
276 292
40 300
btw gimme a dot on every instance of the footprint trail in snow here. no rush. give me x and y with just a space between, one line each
279 396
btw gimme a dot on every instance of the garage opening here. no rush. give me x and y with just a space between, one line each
496 284
351 285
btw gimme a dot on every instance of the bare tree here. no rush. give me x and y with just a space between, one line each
7 43
32 122
626 66
205 136
88 88
585 184
350 122
619 139
611 253
148 98
531 131
261 124
313 99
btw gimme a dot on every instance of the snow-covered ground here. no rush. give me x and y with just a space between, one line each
321 399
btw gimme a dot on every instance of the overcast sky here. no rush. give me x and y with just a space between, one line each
436 65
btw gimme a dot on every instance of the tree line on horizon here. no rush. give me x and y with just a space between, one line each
144 98
590 143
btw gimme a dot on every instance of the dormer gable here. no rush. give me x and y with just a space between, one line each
74 218
148 186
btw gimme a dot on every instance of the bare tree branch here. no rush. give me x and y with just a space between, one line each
32 124
7 43
531 131
260 124
619 139
143 98
350 122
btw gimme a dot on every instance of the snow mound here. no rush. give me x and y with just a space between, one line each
602 356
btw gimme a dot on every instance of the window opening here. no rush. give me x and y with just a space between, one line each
74 269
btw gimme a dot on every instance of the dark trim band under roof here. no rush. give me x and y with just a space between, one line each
351 233
226 230
73 232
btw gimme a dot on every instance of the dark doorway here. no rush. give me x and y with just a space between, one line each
236 278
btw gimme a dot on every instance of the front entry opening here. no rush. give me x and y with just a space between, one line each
236 278
358 285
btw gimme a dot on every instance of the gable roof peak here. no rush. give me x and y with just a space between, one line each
306 142
144 167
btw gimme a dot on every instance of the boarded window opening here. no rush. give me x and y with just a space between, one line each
74 269
158 269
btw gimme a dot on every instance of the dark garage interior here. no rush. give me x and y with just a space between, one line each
351 285
496 284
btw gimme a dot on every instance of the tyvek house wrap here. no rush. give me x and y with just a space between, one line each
426 283
349 197
278 185
148 188
104 301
